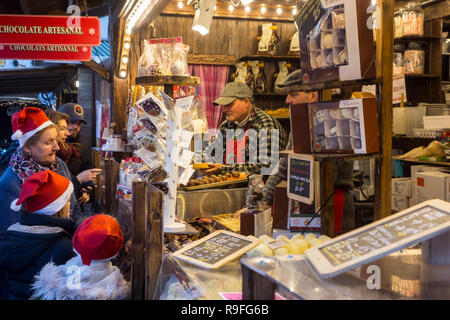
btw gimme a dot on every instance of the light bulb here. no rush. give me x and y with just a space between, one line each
294 11
77 83
215 8
125 59
180 4
123 74
230 8
263 9
247 9
126 45
279 10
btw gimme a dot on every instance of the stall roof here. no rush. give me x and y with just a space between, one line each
36 79
42 7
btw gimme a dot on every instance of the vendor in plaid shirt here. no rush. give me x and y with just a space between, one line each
238 106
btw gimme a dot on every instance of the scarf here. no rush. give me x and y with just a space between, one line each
67 151
25 168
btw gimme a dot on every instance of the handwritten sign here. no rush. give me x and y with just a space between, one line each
399 88
308 15
300 177
216 249
371 242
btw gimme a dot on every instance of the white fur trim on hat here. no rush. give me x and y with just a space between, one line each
24 137
18 134
14 206
58 204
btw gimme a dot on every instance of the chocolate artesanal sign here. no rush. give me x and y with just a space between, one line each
45 52
50 30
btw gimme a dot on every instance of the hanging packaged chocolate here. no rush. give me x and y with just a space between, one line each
241 72
282 74
250 78
294 47
260 80
268 43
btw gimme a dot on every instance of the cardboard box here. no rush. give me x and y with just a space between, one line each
401 187
346 126
414 171
432 185
399 202
335 40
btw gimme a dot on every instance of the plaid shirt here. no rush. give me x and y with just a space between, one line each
257 120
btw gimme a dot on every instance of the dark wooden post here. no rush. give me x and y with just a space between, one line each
327 221
385 49
255 286
154 242
138 245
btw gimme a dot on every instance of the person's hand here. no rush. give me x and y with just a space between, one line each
84 198
238 213
88 175
213 168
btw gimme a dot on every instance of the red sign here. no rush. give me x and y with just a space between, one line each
56 30
45 52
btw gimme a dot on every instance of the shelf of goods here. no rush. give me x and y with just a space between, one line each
268 58
168 80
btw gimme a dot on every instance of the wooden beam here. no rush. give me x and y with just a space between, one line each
385 47
155 12
98 69
219 60
327 216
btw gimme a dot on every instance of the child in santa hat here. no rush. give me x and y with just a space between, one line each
90 275
43 233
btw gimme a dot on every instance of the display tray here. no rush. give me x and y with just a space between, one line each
447 164
216 184
171 80
227 221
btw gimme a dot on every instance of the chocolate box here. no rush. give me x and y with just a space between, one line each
339 46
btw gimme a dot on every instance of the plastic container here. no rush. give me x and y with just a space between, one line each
436 122
399 63
398 24
414 59
413 19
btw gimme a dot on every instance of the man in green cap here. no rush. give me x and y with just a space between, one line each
245 122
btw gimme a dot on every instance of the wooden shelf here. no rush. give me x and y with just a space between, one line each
330 85
429 75
346 156
168 80
268 58
437 163
416 38
269 94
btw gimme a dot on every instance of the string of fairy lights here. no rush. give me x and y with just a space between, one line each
262 8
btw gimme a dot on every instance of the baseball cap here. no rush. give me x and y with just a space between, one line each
294 79
232 91
74 110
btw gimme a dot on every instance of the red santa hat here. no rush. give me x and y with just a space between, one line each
45 192
27 122
97 238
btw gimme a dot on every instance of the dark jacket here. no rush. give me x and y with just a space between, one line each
10 187
30 244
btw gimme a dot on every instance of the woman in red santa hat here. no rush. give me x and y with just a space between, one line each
90 275
37 137
43 233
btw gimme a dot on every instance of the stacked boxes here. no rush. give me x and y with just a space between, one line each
401 193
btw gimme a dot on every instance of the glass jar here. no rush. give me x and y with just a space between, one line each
414 59
413 19
398 24
399 63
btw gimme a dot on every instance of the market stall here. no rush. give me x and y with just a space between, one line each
164 95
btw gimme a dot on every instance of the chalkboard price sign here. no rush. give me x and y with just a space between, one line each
216 249
300 177
378 239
